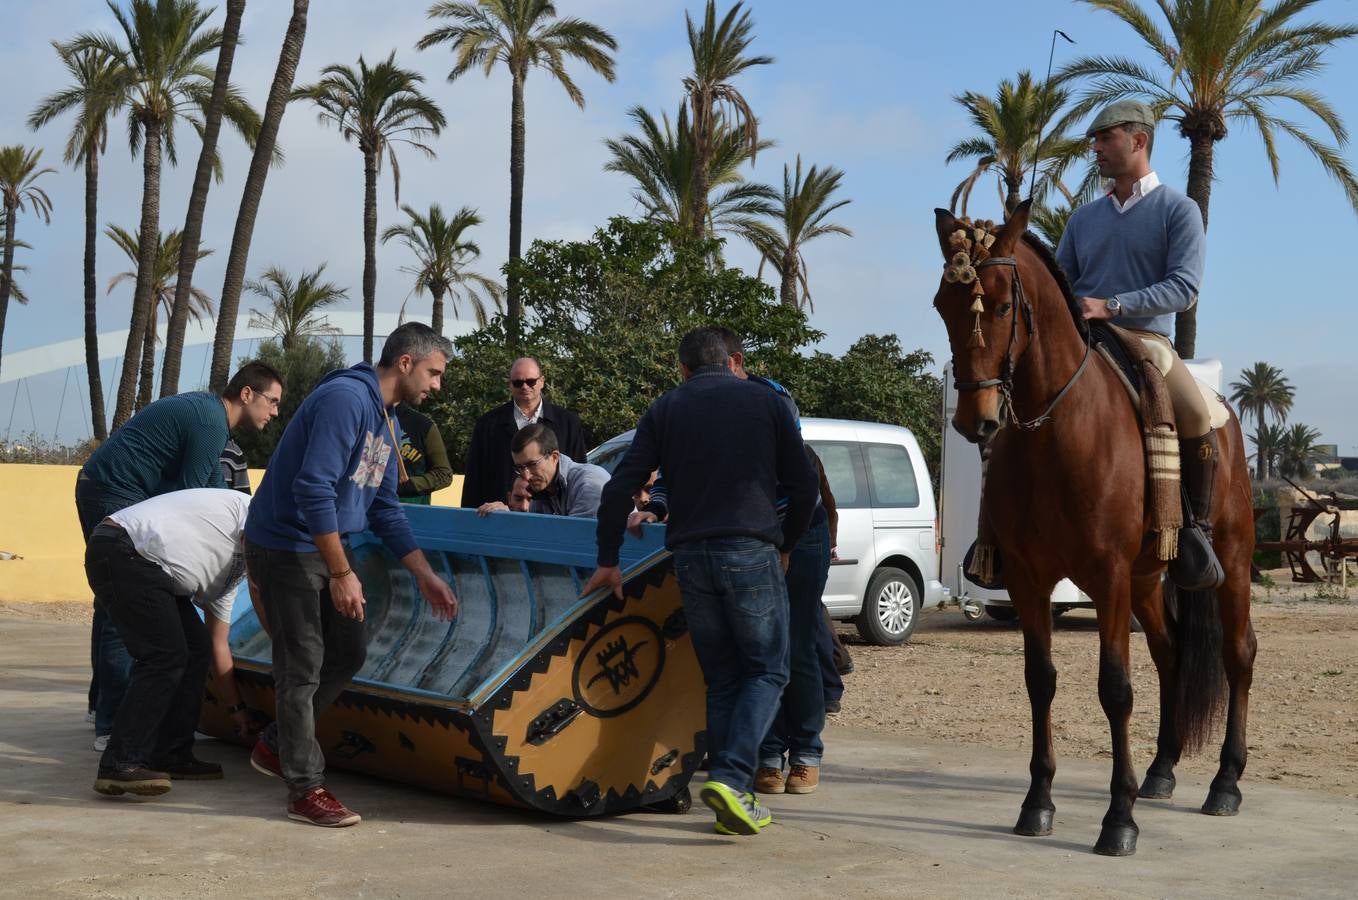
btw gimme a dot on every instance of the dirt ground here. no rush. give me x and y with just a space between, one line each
960 682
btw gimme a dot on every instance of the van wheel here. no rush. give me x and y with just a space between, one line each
890 608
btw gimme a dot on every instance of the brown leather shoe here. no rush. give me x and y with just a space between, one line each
768 780
320 807
803 779
137 780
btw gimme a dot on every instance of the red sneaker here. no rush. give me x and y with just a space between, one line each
319 807
265 761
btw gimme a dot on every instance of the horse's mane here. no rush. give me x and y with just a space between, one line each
1048 257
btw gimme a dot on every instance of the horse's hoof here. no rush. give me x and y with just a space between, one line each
1157 787
1117 840
1222 802
1035 822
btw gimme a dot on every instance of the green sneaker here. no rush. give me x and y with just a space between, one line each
736 813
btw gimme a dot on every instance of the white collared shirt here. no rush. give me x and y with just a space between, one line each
522 421
1143 186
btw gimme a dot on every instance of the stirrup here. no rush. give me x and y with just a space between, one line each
1196 568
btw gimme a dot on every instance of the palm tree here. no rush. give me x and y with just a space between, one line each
95 95
164 287
660 160
15 291
1010 126
520 34
1267 439
1262 390
159 72
295 304
442 254
801 217
19 173
1297 451
1224 60
193 220
280 92
375 108
718 56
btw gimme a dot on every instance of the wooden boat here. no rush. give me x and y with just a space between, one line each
531 697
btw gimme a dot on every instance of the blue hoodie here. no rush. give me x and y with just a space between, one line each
334 471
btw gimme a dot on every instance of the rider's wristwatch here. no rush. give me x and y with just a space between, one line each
1113 306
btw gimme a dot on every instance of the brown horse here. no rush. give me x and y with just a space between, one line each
1065 497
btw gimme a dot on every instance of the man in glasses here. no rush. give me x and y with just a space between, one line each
174 444
489 470
558 485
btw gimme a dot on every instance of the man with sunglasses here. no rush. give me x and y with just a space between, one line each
489 469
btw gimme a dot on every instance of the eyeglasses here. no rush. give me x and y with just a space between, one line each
525 382
519 470
272 401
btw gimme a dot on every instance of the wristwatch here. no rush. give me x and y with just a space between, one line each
1113 305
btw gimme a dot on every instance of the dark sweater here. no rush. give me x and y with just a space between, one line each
173 444
726 446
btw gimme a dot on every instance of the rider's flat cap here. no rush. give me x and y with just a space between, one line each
1122 112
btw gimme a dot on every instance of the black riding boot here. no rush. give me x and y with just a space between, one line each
1197 568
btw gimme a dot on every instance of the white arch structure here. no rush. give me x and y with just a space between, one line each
62 354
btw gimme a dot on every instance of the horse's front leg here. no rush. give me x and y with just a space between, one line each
1149 606
1032 603
1119 832
1238 649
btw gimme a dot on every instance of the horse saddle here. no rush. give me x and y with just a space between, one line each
1109 341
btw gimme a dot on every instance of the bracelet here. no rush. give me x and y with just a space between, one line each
239 707
348 571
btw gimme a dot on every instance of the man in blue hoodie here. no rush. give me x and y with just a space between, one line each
334 474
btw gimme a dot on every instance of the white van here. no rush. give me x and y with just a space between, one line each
887 566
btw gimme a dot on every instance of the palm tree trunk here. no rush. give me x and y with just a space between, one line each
788 293
146 265
436 314
148 361
369 249
229 304
193 222
1012 198
7 266
1200 191
702 164
92 293
516 150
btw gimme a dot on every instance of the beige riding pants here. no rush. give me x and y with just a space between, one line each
1191 416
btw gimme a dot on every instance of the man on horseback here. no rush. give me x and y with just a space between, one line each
1135 257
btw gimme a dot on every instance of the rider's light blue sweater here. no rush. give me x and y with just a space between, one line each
1150 257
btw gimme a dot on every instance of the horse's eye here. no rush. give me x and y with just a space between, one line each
1002 309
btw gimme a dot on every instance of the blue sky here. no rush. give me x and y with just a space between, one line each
871 94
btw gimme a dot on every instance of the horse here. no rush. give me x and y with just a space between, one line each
1065 490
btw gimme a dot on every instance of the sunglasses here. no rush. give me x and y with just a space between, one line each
525 382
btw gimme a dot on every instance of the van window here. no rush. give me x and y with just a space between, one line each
891 475
844 470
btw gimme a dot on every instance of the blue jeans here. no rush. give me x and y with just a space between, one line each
110 663
801 716
735 601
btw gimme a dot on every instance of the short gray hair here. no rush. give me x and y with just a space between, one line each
416 340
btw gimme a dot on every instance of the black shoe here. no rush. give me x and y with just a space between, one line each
831 707
193 769
137 780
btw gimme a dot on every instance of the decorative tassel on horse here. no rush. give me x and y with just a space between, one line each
970 245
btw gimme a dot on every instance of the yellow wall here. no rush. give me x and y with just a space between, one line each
38 522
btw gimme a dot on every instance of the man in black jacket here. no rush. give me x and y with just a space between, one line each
490 468
724 532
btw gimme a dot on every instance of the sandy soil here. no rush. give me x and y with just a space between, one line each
961 682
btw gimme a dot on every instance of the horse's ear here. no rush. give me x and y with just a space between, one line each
1012 230
946 225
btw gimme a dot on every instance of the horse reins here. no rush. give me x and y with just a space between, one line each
1005 382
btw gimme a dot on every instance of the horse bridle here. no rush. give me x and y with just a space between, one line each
1005 381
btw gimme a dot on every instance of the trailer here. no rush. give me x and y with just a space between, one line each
960 503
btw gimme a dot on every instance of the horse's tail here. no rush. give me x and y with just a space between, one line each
1201 687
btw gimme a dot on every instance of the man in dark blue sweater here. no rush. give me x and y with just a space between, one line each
730 551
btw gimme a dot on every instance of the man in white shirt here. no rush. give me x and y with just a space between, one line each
148 564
